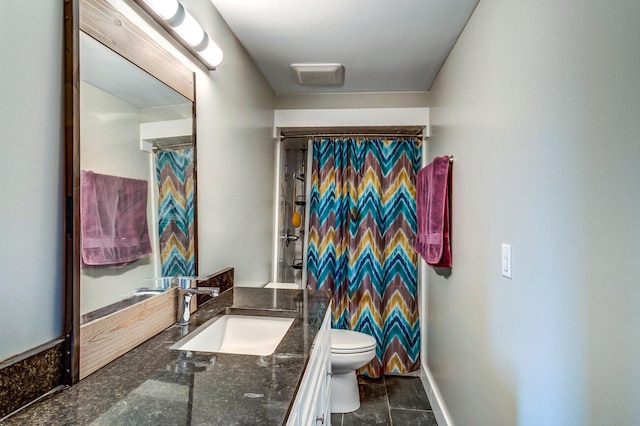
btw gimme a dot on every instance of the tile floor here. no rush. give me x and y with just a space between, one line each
389 400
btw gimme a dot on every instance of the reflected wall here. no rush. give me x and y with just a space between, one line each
125 116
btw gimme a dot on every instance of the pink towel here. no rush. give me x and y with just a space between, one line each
113 219
433 185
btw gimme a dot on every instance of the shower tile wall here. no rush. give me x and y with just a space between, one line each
292 188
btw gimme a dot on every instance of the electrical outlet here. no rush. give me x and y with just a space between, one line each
506 260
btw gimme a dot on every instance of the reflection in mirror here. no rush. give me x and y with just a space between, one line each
137 189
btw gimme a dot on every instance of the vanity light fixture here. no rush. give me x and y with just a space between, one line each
172 16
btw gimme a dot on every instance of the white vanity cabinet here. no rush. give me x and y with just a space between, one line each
311 406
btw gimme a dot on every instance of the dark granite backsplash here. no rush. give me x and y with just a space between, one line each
222 279
22 381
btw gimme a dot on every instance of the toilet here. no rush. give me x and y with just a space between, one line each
350 350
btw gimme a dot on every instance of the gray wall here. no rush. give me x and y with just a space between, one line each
112 146
30 173
235 167
236 159
539 102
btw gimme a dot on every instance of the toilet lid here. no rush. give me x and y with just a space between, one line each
347 341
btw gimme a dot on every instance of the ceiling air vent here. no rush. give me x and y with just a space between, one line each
318 74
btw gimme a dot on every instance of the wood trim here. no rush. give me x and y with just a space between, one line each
107 338
71 138
194 133
105 23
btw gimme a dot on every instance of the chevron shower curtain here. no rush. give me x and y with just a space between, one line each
361 232
174 172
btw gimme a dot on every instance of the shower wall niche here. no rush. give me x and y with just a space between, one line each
292 211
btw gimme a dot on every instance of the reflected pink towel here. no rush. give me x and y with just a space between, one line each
433 185
113 219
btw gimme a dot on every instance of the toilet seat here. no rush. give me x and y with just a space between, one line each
351 342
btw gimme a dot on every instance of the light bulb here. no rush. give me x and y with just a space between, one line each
212 54
166 9
190 30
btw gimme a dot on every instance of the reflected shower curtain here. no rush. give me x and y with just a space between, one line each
361 232
174 172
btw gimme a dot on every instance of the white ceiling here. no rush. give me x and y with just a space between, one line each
384 45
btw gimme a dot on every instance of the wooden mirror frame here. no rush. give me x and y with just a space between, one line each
100 20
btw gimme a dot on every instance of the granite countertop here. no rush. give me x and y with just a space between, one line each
155 385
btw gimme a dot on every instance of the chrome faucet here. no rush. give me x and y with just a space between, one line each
289 237
187 294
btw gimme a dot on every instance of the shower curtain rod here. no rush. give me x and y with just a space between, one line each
171 147
340 135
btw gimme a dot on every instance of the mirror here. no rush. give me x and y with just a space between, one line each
130 167
135 135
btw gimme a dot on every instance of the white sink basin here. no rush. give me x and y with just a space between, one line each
237 334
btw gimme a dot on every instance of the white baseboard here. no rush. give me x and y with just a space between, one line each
435 398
